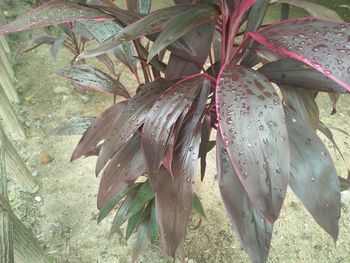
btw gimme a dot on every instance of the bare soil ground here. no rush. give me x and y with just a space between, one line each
64 217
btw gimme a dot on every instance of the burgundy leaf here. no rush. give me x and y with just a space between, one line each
160 119
76 126
321 44
313 177
125 167
181 25
294 73
98 130
253 231
174 195
124 17
251 121
130 120
91 77
52 13
200 40
204 147
303 102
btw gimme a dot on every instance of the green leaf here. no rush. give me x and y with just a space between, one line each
181 25
143 196
197 206
154 231
132 223
111 204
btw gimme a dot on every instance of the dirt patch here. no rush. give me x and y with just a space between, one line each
63 213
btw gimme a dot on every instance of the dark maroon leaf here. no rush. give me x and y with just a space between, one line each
91 77
124 17
313 177
160 119
199 40
52 13
35 42
294 73
98 130
174 195
154 22
321 44
125 167
251 121
130 120
303 102
204 147
76 126
181 25
253 231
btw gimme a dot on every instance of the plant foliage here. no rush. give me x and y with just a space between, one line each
207 67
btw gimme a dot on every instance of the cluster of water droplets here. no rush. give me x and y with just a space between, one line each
322 44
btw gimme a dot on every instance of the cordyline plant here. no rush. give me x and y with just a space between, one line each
207 66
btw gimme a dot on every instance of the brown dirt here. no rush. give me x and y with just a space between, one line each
65 218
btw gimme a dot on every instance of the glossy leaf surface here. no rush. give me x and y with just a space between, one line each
160 119
251 121
253 231
182 24
294 73
314 181
94 78
130 120
124 168
98 129
52 13
321 44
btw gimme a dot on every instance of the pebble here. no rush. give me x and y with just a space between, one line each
45 158
35 174
38 199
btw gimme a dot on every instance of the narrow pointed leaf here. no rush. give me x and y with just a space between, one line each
132 224
253 231
251 121
120 216
294 73
314 181
104 30
313 9
197 206
160 119
130 120
112 203
98 129
321 44
34 42
154 230
52 13
56 45
94 78
154 22
143 196
141 241
174 195
76 126
125 167
204 147
182 24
